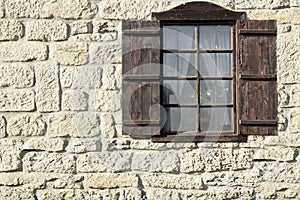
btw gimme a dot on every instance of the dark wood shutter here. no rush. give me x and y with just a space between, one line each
141 72
257 96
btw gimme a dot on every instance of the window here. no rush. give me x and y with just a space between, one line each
199 72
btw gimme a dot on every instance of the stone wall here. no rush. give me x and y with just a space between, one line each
60 113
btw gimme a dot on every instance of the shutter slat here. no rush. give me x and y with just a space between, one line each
141 72
257 97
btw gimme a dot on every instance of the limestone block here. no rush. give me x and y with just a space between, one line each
107 100
66 9
65 181
17 75
282 121
284 28
81 27
215 159
117 144
34 180
275 153
95 37
16 100
295 95
26 125
2 8
44 144
76 145
281 16
103 181
146 144
75 100
10 158
13 193
20 51
283 96
265 4
48 90
109 79
102 26
107 126
291 140
11 30
74 125
2 127
295 3
159 161
294 126
46 30
116 161
13 142
87 77
48 162
68 53
173 181
105 53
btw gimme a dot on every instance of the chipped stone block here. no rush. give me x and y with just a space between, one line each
13 193
295 96
66 9
107 100
17 75
102 26
48 90
95 37
76 145
65 181
107 126
48 162
87 77
74 125
109 79
20 51
294 125
44 144
74 100
10 158
105 53
266 4
46 30
116 161
291 140
103 181
26 125
2 127
11 30
68 53
2 8
16 100
275 153
81 27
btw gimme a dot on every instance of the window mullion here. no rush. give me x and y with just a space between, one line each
198 78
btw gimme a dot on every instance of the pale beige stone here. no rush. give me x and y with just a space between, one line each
44 144
22 51
48 162
87 77
107 100
76 145
284 28
46 30
81 27
95 37
275 153
109 79
2 8
283 96
13 142
105 53
116 161
10 158
173 181
16 100
13 193
74 100
102 26
17 75
103 181
294 125
117 144
68 53
74 125
107 126
261 4
11 30
282 122
66 9
65 181
26 125
281 16
295 96
2 127
48 90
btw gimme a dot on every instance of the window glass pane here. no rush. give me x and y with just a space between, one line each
179 64
215 37
180 119
215 64
216 119
179 37
179 92
215 92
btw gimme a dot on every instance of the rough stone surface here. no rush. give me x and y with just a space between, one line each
66 9
11 30
2 8
109 78
75 100
67 53
2 127
107 126
279 154
65 181
105 53
81 27
173 181
48 90
46 30
10 158
16 75
95 37
76 145
103 181
103 26
104 162
292 140
87 77
107 100
16 100
20 51
74 125
44 144
295 121
265 4
281 16
48 162
26 125
12 193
